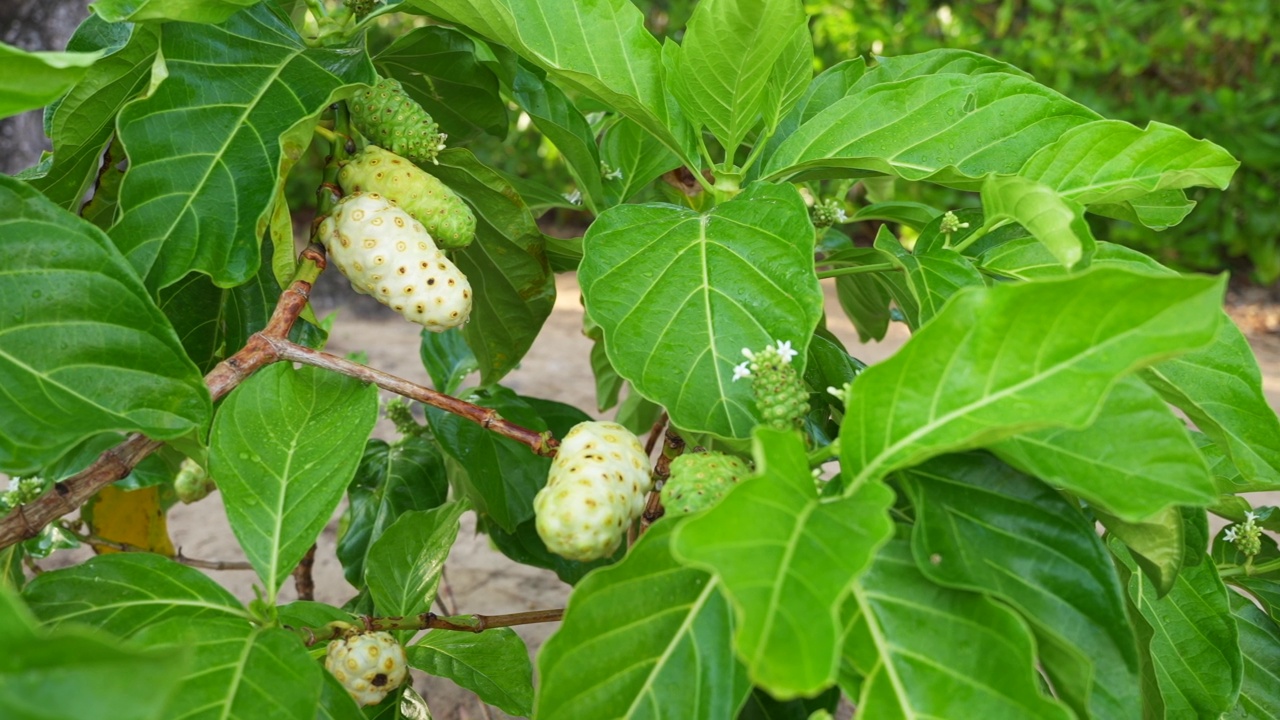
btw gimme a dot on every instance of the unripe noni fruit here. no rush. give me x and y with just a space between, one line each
699 480
369 665
596 489
387 254
419 193
389 117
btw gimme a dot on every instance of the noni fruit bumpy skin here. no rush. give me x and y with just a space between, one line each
419 193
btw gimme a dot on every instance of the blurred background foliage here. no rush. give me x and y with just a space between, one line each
1210 68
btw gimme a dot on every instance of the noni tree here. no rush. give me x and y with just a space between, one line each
1007 518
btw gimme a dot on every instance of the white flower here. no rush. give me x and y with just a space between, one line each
1249 517
746 352
784 349
1230 535
574 198
740 371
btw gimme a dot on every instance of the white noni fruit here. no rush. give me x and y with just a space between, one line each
369 665
385 253
596 489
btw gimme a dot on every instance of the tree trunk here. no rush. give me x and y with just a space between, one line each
33 25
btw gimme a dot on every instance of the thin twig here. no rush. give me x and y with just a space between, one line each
427 621
541 443
98 541
653 510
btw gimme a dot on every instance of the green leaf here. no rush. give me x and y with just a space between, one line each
565 39
493 664
1220 388
933 275
447 358
1054 220
1158 211
866 302
787 559
950 128
390 481
912 214
438 68
726 60
630 159
499 476
405 563
680 294
790 78
75 673
556 117
829 86
124 592
84 120
916 644
284 447
1135 459
983 526
933 62
35 79
1157 544
200 200
646 638
955 385
760 705
200 11
239 672
507 262
1195 647
82 347
1111 161
1260 646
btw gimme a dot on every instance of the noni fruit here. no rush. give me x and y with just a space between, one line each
597 487
781 395
416 191
369 665
387 116
387 254
699 480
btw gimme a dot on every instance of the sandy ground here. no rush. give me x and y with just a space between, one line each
480 579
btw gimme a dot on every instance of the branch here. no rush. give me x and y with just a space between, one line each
98 541
427 621
653 510
541 443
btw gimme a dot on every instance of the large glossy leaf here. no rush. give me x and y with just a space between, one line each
239 672
631 159
84 120
947 128
35 79
933 62
1135 459
498 475
391 480
1220 389
982 526
507 263
829 86
204 148
493 664
787 560
1195 646
82 347
201 11
565 39
285 444
1050 218
725 62
790 77
1015 358
1260 646
124 592
679 295
438 68
406 562
1110 161
74 673
1156 543
646 638
926 651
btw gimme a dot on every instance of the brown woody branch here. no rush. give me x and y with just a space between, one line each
653 510
426 621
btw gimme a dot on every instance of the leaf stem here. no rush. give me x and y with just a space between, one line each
756 149
824 453
978 234
1248 570
426 621
857 270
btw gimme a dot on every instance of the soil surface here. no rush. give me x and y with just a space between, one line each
478 579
